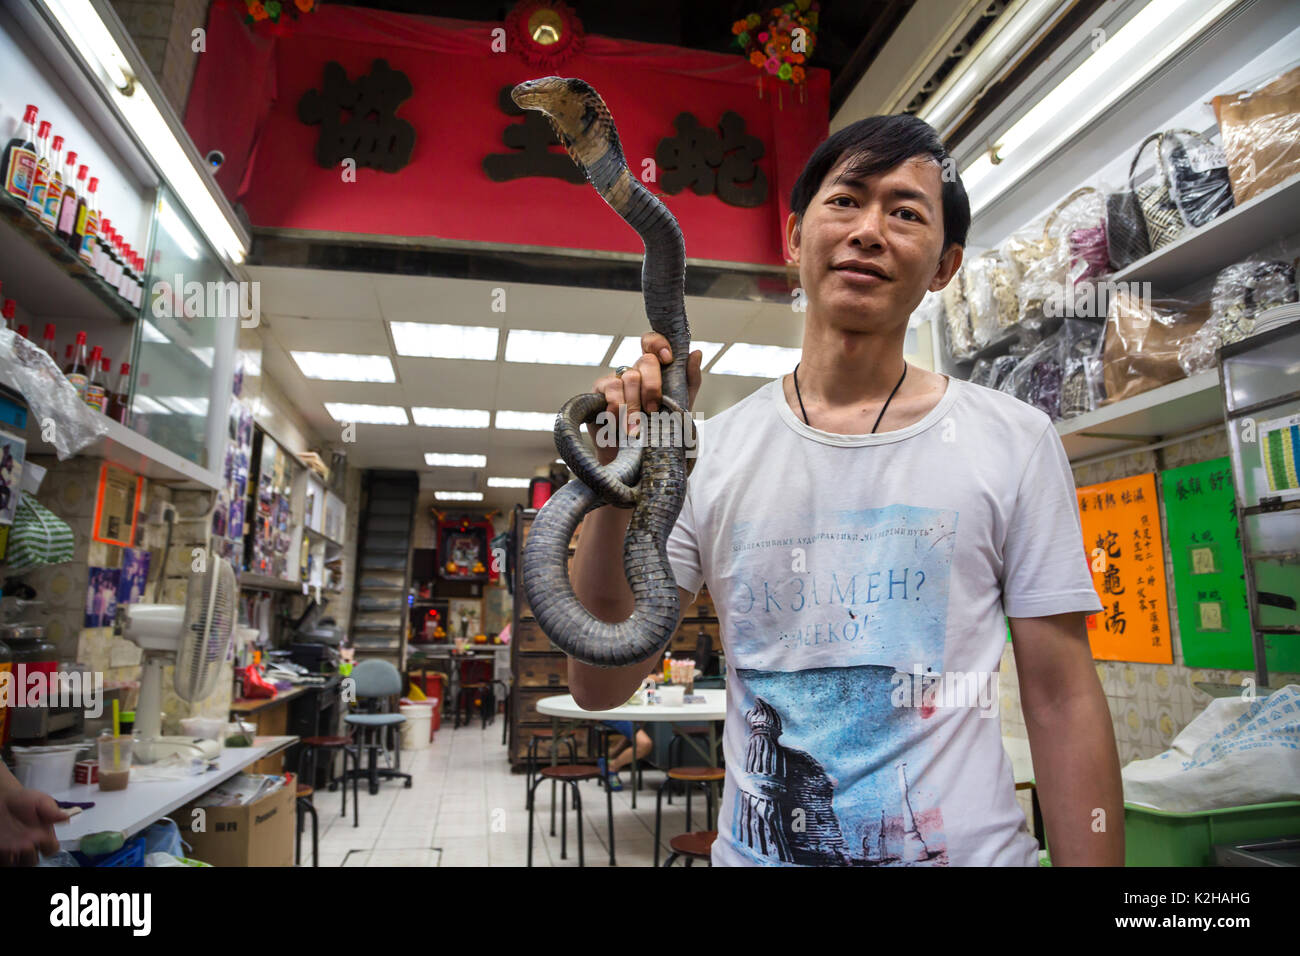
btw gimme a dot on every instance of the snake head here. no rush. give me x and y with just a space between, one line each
571 105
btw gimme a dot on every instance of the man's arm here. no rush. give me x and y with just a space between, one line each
1071 740
27 819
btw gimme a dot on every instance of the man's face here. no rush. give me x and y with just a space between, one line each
869 250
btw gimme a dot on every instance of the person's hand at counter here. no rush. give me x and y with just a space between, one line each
27 819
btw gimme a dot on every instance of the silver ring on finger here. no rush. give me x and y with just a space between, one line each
621 369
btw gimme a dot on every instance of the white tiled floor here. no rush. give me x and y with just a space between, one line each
465 808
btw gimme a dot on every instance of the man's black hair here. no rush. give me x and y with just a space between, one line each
877 144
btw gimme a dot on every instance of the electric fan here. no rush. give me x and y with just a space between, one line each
195 636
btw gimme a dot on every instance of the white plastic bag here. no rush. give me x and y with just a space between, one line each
1236 753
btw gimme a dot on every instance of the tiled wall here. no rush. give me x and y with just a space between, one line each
1150 704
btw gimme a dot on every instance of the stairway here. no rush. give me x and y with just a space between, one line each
384 565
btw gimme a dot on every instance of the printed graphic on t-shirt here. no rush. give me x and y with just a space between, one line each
821 622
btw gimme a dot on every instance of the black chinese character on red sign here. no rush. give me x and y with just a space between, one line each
532 142
707 162
372 135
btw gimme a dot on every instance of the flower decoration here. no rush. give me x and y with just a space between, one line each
779 41
546 33
276 13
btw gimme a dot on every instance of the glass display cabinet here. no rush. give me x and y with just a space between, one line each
1261 399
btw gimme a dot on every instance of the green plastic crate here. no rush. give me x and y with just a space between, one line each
1157 838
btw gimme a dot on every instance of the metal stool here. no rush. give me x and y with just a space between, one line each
693 846
305 806
691 777
569 775
530 772
310 745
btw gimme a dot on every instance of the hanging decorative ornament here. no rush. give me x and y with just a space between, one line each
779 42
544 33
275 16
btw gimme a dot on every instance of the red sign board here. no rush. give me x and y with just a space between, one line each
250 113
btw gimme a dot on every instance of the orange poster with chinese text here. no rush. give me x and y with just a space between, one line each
1121 532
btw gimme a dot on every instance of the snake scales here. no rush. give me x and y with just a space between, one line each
647 476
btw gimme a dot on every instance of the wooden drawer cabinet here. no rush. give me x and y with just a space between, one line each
528 698
531 639
703 606
542 670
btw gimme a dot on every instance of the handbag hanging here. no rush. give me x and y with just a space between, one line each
1126 230
1164 220
1260 137
1200 194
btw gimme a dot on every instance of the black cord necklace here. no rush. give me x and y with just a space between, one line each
878 417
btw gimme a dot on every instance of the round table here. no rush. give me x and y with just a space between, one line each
713 711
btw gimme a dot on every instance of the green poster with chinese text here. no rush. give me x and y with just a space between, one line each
1209 576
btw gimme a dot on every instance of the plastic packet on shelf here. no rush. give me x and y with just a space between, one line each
1054 376
1260 126
59 412
1143 342
958 339
1241 292
991 296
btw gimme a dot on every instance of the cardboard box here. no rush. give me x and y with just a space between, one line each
260 834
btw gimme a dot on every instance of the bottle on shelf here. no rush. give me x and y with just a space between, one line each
68 206
19 163
78 233
54 194
117 397
22 332
67 354
8 312
139 280
78 368
89 225
41 176
96 395
108 257
47 343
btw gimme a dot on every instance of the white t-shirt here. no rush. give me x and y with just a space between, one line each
848 572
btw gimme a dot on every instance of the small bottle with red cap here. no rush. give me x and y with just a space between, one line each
19 163
68 207
78 367
8 311
96 395
54 193
117 398
89 224
41 176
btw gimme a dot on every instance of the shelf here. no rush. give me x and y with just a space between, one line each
134 452
1200 253
1163 412
323 537
41 269
264 582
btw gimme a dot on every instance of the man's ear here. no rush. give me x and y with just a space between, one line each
792 236
949 263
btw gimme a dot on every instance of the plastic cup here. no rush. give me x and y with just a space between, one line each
114 761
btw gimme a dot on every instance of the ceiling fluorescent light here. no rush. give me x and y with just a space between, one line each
82 26
438 459
1157 32
526 421
508 482
452 417
345 366
967 83
629 350
759 361
367 414
423 340
556 348
458 495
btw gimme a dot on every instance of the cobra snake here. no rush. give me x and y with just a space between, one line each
648 476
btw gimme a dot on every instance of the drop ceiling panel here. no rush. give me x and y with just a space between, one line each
317 293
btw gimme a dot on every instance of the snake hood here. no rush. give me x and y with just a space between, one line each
577 113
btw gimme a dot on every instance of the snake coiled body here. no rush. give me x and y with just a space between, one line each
650 477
